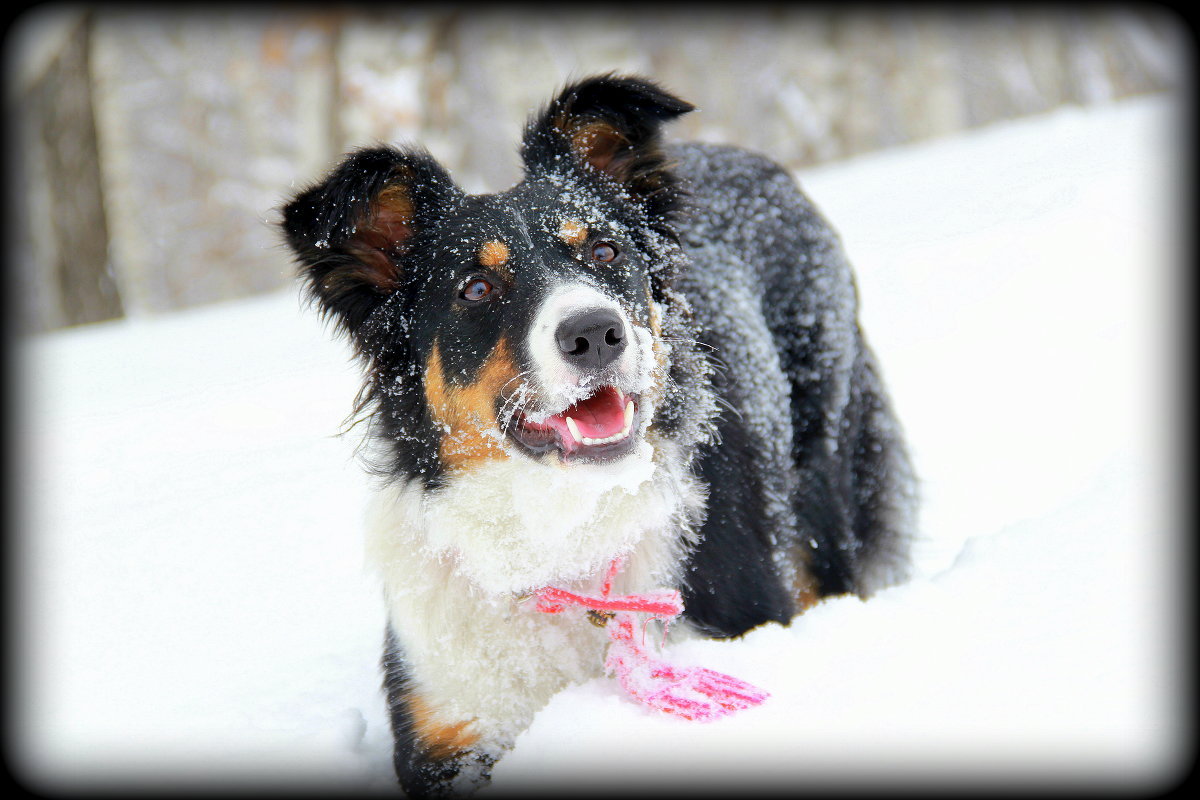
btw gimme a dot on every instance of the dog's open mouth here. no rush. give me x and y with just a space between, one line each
596 428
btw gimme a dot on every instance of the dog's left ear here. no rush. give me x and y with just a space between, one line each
610 124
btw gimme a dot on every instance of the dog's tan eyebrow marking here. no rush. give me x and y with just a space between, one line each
572 232
493 253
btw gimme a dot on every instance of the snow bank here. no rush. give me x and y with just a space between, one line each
192 605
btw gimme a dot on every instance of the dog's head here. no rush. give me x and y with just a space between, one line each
523 324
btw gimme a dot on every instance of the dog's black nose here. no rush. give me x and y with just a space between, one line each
593 339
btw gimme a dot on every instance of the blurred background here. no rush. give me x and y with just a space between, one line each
191 599
149 150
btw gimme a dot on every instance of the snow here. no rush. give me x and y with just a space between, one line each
193 606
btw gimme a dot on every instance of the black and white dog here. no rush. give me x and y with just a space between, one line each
638 351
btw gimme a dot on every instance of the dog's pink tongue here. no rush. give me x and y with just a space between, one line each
599 416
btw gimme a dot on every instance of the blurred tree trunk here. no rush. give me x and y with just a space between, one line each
206 118
63 255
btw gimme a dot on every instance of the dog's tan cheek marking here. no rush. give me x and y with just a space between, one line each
661 358
572 232
439 740
658 350
467 414
655 318
805 590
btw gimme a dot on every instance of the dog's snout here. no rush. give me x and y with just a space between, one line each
591 340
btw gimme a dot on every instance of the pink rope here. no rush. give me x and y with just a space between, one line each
694 693
664 605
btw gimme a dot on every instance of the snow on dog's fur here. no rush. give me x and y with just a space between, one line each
638 351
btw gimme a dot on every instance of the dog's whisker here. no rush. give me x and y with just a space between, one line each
513 403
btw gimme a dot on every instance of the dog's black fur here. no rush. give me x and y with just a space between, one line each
761 404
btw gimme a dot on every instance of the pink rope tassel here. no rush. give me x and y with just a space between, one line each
694 693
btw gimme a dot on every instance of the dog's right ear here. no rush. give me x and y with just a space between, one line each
353 231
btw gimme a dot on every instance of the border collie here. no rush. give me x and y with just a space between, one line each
640 354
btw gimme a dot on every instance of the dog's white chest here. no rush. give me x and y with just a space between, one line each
455 564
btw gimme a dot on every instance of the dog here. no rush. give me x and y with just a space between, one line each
641 351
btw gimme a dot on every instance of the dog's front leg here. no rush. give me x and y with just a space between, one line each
434 756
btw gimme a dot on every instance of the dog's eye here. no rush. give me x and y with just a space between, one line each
605 252
477 288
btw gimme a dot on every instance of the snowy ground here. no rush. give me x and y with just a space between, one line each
192 608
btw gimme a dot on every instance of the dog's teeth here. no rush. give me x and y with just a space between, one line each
628 418
607 440
620 394
574 429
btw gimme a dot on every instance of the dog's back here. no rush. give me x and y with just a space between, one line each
808 480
